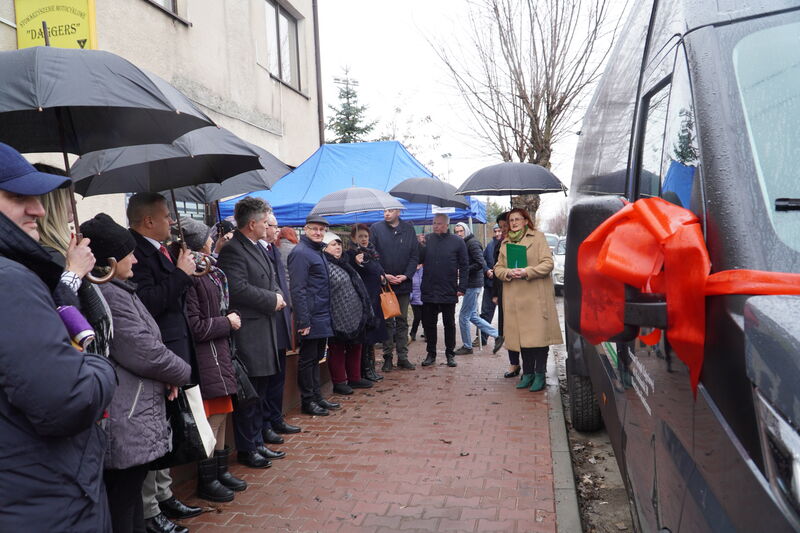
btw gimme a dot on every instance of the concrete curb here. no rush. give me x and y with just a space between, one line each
568 518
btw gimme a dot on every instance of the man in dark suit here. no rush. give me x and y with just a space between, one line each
274 424
162 281
255 294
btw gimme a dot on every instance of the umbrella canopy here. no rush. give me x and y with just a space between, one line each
512 178
355 200
429 191
93 99
206 155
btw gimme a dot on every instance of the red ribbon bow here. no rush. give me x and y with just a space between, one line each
658 247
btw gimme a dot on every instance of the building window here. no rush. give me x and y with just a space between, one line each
192 209
169 5
282 44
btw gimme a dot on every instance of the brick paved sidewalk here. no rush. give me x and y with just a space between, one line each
434 449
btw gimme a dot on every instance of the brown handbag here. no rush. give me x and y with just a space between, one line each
389 303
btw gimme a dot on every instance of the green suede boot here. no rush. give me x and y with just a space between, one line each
525 381
538 382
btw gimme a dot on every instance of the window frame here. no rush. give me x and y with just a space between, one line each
281 10
644 103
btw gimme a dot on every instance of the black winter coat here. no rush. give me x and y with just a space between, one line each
371 274
254 294
491 259
212 339
398 249
161 286
51 399
311 289
446 268
477 264
283 320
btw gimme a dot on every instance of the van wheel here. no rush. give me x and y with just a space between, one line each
583 408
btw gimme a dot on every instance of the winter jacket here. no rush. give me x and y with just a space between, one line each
416 283
371 273
477 264
311 290
254 294
348 298
446 268
211 331
138 432
530 318
283 319
489 257
398 249
51 400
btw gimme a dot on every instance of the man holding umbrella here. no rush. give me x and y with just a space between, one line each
162 282
52 396
396 242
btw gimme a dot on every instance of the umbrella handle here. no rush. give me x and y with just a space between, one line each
106 278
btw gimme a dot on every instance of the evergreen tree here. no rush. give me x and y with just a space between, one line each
348 121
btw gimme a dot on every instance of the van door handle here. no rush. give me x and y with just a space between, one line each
650 314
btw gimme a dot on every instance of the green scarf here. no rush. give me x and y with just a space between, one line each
516 236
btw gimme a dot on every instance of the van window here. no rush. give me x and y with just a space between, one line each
652 148
767 68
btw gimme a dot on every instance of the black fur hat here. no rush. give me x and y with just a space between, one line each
108 239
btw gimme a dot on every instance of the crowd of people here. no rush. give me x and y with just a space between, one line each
83 413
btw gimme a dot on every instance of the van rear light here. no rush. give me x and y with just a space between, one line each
780 443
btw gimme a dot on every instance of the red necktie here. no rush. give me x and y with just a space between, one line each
165 253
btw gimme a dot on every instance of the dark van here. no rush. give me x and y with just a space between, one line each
700 105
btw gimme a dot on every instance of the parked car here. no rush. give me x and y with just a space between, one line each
552 240
558 267
699 105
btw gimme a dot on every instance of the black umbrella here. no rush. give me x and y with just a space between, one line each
429 191
511 178
207 155
79 101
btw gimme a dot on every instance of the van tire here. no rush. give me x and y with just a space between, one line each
583 408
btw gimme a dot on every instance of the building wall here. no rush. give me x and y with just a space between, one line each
219 60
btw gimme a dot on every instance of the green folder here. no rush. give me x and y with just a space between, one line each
516 255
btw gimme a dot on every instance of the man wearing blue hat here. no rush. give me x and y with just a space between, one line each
52 396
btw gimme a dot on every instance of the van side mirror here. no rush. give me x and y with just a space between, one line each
641 310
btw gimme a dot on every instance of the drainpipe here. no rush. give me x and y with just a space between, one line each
320 114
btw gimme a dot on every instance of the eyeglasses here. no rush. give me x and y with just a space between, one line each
314 229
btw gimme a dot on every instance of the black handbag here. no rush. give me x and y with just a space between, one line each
187 444
245 392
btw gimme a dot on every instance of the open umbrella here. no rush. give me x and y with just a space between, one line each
355 200
512 178
429 191
77 101
205 155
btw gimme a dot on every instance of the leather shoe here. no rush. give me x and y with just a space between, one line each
174 508
270 454
161 524
451 361
463 351
270 437
253 459
405 364
512 373
342 388
283 427
498 343
431 359
325 404
313 408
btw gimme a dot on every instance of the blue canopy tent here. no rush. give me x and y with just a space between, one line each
379 165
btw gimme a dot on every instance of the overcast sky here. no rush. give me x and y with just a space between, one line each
385 46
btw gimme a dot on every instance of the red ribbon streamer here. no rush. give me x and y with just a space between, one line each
658 247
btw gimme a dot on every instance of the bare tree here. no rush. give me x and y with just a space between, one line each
557 222
525 70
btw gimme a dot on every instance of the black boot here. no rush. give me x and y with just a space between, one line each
208 486
225 477
368 365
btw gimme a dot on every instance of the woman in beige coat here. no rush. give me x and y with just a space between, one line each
529 306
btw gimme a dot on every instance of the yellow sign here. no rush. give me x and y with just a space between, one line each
70 23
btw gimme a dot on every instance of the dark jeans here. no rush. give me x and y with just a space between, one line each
124 490
430 319
248 420
417 310
397 328
272 401
311 351
534 360
487 309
